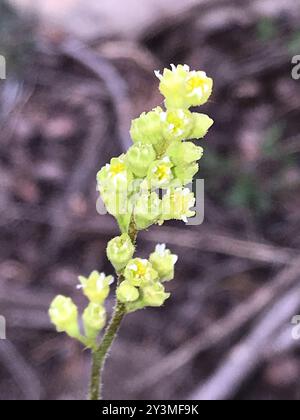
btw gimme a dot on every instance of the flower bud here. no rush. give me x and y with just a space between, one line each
147 210
160 173
114 176
184 153
183 88
96 286
147 128
154 295
139 157
119 251
163 261
136 305
127 293
176 204
64 315
202 124
185 174
140 272
94 319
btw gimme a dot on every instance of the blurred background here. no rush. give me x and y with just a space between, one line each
77 72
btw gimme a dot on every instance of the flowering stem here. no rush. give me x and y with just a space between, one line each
101 352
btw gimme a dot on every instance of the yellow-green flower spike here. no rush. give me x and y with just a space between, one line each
160 174
163 261
127 293
183 88
177 204
115 176
139 157
64 315
94 320
162 160
96 286
140 272
184 153
119 251
154 295
147 210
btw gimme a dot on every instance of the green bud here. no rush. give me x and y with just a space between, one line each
185 174
176 204
163 261
160 173
202 124
139 157
119 251
154 295
147 210
64 315
147 128
135 306
184 153
94 319
183 88
96 286
140 272
127 293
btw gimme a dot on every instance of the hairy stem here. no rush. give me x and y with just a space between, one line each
101 352
100 355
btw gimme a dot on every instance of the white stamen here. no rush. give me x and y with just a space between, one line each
175 259
160 249
163 116
158 75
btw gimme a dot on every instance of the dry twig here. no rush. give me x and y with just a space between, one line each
221 330
250 352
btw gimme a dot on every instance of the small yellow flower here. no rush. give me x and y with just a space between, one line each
115 176
160 173
163 262
177 204
177 124
96 286
183 88
140 272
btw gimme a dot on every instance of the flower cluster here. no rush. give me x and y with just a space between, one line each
142 280
64 313
161 157
145 186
